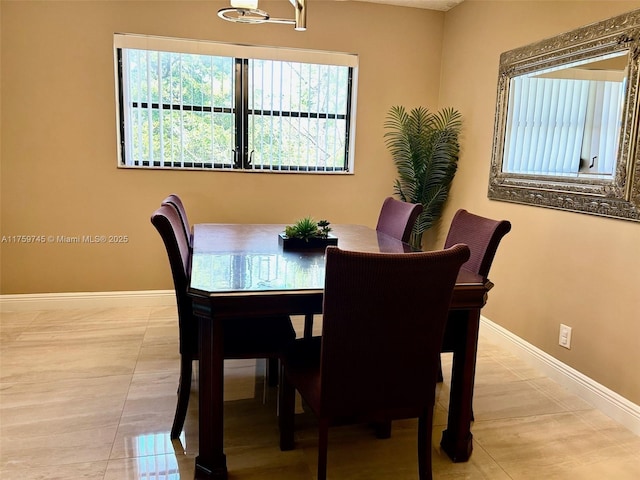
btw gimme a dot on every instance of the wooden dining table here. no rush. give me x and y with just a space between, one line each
240 270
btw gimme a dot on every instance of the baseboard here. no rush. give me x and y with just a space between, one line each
47 301
602 398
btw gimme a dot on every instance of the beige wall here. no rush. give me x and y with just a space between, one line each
59 174
554 267
59 177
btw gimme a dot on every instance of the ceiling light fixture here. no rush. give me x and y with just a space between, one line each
247 11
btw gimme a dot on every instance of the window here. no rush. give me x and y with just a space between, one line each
202 105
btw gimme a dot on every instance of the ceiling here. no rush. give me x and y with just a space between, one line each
442 5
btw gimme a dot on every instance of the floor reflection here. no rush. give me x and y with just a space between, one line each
97 403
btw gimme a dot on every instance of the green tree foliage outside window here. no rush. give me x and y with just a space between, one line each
187 110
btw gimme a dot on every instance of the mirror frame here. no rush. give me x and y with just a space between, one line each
618 197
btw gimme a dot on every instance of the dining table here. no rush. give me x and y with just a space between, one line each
240 270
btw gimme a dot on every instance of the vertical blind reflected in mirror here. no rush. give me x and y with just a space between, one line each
566 120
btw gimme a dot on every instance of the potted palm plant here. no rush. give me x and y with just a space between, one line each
425 149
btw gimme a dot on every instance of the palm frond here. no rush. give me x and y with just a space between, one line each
425 149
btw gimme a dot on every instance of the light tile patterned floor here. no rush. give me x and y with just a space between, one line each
90 394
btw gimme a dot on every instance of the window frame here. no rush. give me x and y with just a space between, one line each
241 55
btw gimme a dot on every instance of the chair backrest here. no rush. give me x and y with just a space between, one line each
384 318
481 234
397 218
169 225
176 202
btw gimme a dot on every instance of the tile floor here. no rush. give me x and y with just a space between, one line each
90 394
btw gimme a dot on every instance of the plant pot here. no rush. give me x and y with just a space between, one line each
302 244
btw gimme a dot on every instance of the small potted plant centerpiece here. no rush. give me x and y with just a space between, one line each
306 233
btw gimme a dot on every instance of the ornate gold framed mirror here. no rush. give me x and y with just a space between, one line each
566 125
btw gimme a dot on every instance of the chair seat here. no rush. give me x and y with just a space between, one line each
257 337
302 361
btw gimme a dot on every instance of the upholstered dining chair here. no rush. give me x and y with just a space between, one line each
243 338
398 218
384 317
482 235
176 202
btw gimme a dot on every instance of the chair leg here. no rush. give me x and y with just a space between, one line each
425 427
323 444
286 418
184 390
273 367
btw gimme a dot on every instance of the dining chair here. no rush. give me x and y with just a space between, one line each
384 317
397 218
243 338
176 202
482 235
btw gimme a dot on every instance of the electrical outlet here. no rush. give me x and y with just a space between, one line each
565 336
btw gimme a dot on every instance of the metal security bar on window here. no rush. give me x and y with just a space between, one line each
178 109
298 116
198 111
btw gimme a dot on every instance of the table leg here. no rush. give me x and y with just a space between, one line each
211 462
308 325
457 440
